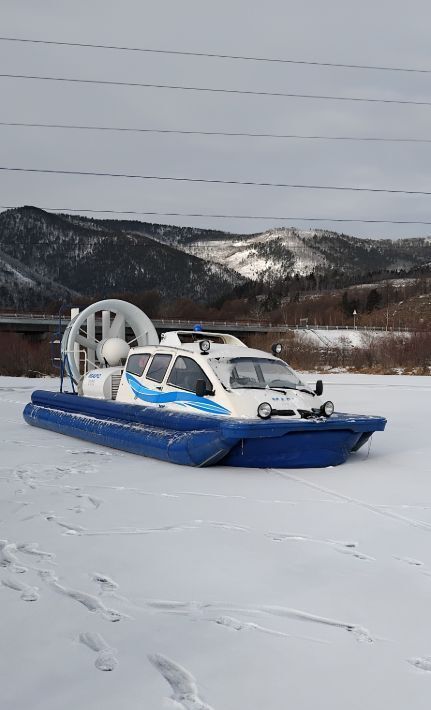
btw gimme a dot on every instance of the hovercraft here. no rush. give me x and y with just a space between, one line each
195 398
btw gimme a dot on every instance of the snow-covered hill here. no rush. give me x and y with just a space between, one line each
101 257
272 254
21 287
282 253
93 257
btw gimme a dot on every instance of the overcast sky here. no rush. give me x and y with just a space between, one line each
383 32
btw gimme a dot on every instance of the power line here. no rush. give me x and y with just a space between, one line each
213 55
224 216
215 181
235 134
213 90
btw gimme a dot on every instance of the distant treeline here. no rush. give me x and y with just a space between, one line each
389 353
390 304
378 304
386 353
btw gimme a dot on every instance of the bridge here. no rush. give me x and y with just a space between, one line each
42 324
39 326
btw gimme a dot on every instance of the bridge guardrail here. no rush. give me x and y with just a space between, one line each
238 324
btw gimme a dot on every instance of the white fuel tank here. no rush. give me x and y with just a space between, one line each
103 383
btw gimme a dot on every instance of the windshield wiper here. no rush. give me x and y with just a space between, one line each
248 387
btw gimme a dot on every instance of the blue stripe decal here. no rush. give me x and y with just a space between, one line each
186 399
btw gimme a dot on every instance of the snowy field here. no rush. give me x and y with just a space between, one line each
344 338
217 588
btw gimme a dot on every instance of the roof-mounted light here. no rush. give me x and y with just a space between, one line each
204 346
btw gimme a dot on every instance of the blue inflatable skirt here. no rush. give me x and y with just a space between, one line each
202 440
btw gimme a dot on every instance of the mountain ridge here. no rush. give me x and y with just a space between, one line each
88 257
46 256
284 252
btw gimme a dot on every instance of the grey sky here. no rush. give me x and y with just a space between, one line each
384 32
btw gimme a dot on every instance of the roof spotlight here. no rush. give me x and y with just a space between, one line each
264 410
327 408
276 348
205 346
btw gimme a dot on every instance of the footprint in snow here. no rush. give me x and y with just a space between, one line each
345 548
350 550
106 659
86 452
106 583
70 529
185 694
26 477
78 509
94 503
32 548
423 664
238 625
410 561
200 610
8 557
91 602
59 472
28 593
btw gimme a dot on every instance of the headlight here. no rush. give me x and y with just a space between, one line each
204 346
264 410
327 409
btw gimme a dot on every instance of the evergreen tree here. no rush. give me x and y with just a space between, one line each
374 300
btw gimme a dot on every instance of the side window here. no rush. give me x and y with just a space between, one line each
185 373
136 364
158 367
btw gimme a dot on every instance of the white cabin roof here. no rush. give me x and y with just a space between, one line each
217 350
180 338
231 351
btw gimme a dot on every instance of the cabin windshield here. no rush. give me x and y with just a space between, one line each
255 373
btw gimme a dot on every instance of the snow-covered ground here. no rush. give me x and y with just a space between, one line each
217 588
350 338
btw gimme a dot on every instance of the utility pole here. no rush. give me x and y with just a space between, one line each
387 306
